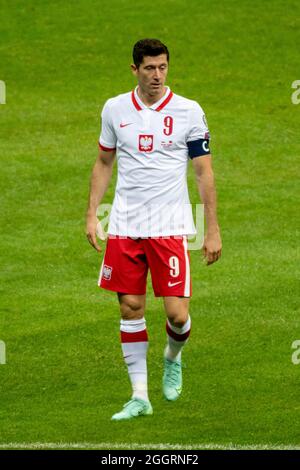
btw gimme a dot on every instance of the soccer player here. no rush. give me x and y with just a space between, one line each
153 133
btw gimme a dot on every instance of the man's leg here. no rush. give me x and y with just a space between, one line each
134 341
178 330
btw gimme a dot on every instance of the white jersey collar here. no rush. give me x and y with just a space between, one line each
157 106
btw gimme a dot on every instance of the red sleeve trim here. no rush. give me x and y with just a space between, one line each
106 149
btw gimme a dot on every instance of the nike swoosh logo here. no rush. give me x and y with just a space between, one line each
171 284
124 125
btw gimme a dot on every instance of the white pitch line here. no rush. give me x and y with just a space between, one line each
150 446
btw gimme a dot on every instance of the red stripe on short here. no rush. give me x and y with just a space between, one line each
176 336
137 337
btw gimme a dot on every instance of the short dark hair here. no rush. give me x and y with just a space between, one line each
150 47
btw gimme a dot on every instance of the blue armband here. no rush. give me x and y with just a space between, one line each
197 148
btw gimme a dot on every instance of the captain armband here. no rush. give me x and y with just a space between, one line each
198 148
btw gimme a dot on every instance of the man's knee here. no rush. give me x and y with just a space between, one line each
178 319
177 311
132 307
178 314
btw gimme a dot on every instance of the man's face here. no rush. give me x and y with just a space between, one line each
152 74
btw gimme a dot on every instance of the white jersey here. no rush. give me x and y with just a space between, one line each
151 196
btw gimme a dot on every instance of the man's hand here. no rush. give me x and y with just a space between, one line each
212 247
100 179
91 231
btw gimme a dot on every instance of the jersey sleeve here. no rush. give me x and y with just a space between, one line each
198 136
107 139
197 124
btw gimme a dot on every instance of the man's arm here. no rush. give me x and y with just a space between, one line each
100 179
212 246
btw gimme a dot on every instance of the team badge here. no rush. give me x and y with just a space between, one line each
107 270
145 143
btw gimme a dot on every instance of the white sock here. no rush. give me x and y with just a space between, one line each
134 340
177 338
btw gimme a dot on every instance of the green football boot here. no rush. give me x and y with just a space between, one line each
172 379
134 408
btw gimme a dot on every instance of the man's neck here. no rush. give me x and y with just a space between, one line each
149 100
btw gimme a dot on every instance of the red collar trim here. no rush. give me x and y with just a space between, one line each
165 102
161 106
137 106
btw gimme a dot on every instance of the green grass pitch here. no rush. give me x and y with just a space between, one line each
64 375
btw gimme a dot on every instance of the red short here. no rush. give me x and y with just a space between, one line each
126 261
